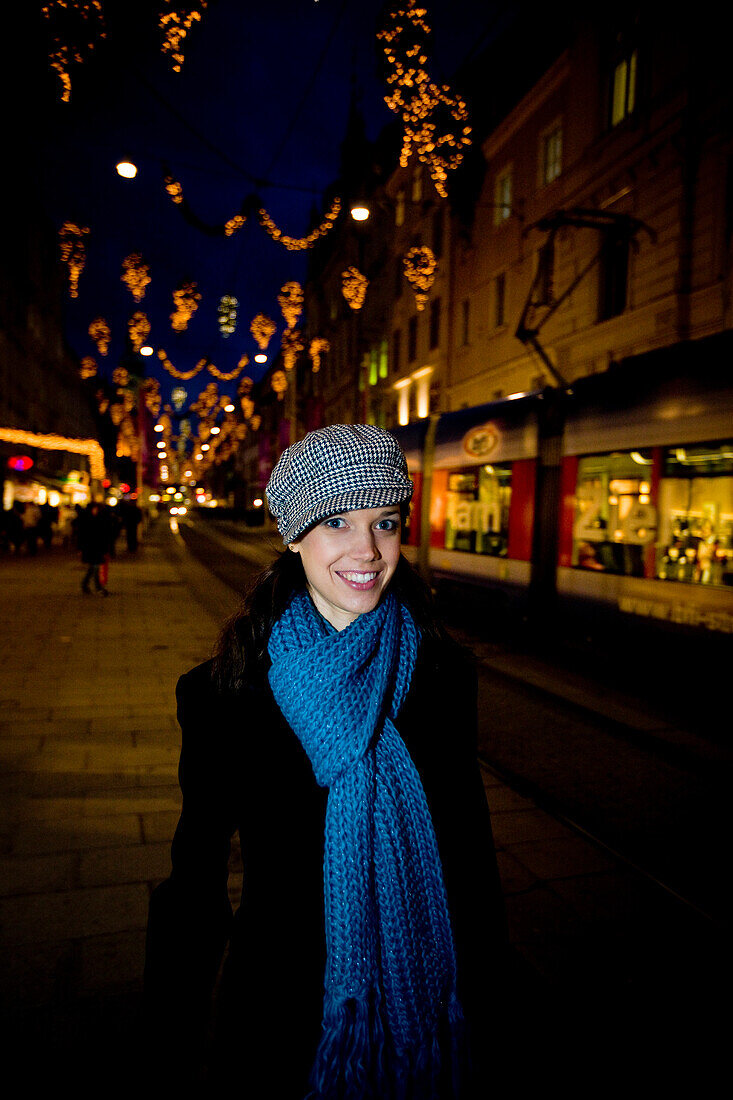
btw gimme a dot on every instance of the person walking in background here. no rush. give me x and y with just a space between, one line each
131 518
48 518
335 729
94 539
31 517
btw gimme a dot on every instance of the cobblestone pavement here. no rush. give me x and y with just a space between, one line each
89 801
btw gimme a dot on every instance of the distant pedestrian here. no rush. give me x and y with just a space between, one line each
336 731
131 519
31 517
13 533
48 518
94 538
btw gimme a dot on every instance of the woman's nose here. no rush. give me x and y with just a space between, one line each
364 545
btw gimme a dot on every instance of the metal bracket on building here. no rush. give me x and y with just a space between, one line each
541 292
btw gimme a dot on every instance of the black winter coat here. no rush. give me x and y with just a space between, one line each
242 768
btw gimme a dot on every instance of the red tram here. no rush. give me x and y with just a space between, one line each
613 496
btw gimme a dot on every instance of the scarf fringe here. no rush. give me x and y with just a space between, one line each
355 1062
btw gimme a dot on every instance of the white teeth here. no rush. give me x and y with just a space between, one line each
359 578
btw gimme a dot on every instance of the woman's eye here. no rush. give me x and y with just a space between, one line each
387 525
335 523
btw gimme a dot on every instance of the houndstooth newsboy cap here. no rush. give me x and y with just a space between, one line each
336 469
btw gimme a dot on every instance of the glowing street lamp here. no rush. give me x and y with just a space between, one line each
146 350
126 169
359 212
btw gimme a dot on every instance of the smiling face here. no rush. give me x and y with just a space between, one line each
349 560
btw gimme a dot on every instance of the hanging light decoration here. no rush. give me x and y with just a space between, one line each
235 223
279 383
247 406
186 300
178 397
76 28
232 374
121 377
227 314
73 253
262 328
175 25
174 189
354 287
318 347
245 386
290 299
420 265
89 447
100 333
434 119
135 275
88 367
297 244
291 347
150 389
184 375
139 329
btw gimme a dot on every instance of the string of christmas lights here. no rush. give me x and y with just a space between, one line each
354 287
230 375
318 347
297 244
183 375
434 118
88 447
186 298
135 275
138 328
175 25
73 253
100 333
76 27
420 266
263 329
291 347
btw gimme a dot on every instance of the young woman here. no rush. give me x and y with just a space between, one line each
335 729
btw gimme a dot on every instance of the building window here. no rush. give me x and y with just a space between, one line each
623 86
417 185
383 359
396 350
499 299
399 207
373 367
434 323
465 320
403 401
551 154
422 392
613 277
412 340
438 223
503 196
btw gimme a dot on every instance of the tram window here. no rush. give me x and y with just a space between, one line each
615 518
477 510
696 514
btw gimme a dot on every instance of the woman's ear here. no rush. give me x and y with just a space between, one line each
294 547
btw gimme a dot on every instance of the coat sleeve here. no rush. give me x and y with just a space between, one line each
190 914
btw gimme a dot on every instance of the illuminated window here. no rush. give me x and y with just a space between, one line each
399 208
383 359
695 536
623 88
373 367
551 154
503 196
416 193
396 350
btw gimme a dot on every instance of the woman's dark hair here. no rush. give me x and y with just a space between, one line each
242 645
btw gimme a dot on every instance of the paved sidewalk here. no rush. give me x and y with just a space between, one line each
89 801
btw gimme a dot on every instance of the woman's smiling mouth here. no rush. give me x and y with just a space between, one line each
360 581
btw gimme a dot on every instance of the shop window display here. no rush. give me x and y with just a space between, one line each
477 510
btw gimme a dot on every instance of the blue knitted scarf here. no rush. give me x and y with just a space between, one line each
392 1023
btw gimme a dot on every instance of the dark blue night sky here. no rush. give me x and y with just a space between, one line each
260 107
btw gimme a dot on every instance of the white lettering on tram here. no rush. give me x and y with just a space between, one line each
683 614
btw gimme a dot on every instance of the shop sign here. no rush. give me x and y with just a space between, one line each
20 463
481 442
